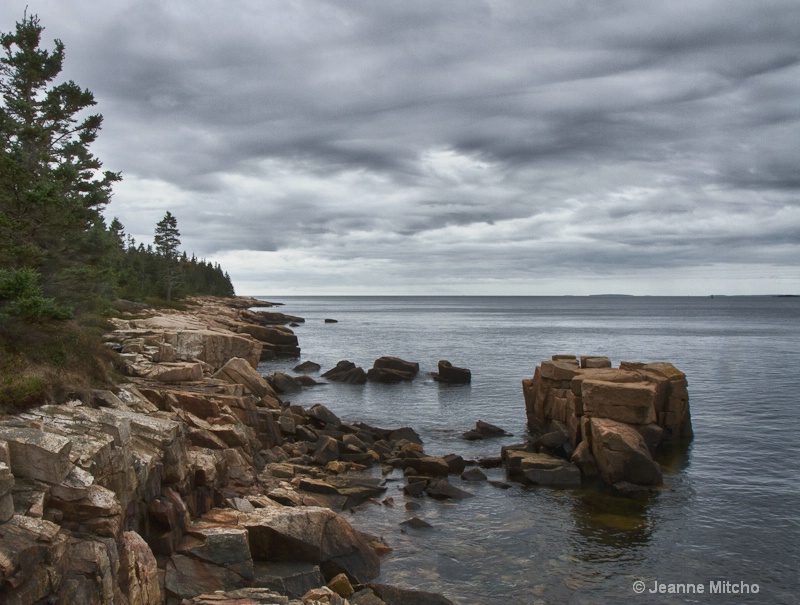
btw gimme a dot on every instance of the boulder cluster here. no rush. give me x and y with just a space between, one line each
194 482
608 422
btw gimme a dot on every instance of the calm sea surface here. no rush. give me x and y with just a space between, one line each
730 509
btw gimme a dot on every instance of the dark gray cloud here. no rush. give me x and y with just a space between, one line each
472 146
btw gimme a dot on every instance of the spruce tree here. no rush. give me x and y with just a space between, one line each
51 186
167 240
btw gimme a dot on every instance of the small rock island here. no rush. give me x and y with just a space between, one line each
610 421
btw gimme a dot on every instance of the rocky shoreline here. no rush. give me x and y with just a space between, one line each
193 481
197 481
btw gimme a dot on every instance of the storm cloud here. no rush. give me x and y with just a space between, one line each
462 146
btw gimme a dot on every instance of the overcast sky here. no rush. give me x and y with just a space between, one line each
456 146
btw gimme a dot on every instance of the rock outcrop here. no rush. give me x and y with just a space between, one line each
610 421
204 487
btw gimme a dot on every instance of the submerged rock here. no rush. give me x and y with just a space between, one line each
416 523
541 469
484 430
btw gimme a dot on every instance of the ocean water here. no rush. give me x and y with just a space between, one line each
730 507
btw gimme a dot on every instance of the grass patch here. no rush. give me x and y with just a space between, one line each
52 362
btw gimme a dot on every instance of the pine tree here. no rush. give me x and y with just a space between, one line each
167 240
51 187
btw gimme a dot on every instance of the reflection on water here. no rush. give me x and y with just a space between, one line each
610 527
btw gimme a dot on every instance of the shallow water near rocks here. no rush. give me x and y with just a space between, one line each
729 508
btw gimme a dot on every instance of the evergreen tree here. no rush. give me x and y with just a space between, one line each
167 240
51 188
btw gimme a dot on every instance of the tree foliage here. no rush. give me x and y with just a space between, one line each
52 193
52 189
161 271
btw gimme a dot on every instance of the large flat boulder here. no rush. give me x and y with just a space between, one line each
541 469
302 534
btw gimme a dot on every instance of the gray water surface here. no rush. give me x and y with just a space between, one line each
729 510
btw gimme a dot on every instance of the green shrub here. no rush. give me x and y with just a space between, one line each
20 290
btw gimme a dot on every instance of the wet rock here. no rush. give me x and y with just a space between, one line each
442 489
542 469
484 430
365 596
584 460
356 490
415 489
490 462
283 383
307 366
455 463
416 523
307 381
450 374
347 372
392 595
474 474
428 465
331 321
391 370
405 434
